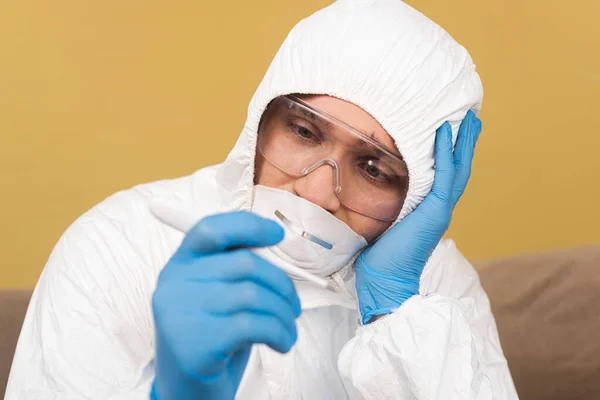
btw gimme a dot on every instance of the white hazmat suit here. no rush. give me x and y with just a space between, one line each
88 333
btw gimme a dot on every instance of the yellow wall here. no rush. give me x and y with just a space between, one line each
97 96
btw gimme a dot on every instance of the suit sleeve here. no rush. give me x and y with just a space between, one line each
440 344
87 332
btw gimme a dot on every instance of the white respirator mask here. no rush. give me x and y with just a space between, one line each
314 240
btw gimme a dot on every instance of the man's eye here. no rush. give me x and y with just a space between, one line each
305 133
373 172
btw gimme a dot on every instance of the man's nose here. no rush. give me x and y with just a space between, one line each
318 188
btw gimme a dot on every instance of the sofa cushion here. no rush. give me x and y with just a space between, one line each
13 304
547 308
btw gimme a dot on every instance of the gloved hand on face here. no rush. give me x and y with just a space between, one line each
388 271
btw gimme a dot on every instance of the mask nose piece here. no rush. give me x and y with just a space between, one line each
337 188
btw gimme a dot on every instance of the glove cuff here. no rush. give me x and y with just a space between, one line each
380 294
153 395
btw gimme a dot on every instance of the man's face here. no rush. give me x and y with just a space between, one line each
318 186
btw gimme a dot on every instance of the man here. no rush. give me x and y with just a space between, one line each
339 143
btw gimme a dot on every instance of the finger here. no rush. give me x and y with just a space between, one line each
468 134
252 328
220 232
465 135
247 296
440 196
235 266
444 162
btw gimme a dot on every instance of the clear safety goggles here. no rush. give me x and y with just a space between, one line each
368 177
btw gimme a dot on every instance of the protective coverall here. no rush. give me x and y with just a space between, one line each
88 333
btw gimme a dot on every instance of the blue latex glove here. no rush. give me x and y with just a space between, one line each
388 272
213 300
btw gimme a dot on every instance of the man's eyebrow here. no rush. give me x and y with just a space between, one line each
315 117
373 137
328 125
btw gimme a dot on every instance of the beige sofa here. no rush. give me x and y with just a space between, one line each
547 307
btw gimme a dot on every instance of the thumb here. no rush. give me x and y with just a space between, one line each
222 232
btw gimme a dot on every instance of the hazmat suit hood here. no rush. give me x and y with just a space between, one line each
381 55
